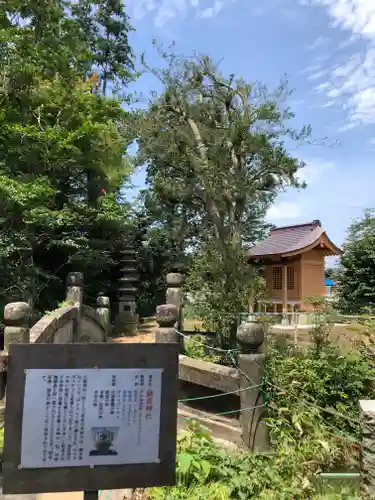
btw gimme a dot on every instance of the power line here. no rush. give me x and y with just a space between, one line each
219 395
226 412
216 349
230 352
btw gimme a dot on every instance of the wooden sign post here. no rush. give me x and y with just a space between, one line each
90 417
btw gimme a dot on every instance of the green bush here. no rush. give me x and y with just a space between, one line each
205 472
196 347
313 418
328 380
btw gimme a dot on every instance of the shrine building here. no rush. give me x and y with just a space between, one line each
293 260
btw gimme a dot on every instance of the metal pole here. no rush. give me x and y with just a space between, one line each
338 475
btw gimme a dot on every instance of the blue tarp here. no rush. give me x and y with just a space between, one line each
330 282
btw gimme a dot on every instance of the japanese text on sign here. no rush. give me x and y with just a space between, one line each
81 417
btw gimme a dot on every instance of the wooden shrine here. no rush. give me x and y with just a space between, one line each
293 260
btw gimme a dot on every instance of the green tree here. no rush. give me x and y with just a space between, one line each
63 156
330 273
105 26
215 153
356 272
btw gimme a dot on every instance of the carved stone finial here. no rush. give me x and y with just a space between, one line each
74 289
102 301
250 336
175 280
16 317
17 313
75 279
166 315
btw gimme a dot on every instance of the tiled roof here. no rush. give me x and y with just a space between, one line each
288 239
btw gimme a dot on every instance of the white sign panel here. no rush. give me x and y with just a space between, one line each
83 417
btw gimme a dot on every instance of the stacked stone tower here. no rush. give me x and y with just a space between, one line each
127 320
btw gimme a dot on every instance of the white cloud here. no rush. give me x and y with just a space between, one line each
322 86
317 75
346 127
357 16
165 10
284 210
352 83
212 11
318 43
328 104
311 68
314 170
298 208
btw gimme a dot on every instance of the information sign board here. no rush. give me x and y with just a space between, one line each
90 416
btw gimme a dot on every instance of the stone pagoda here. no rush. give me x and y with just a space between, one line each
126 322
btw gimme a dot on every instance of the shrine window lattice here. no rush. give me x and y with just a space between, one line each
290 277
277 278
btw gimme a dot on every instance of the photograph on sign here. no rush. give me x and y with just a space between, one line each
88 417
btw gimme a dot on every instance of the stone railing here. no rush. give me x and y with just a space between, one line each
207 374
243 380
56 327
72 323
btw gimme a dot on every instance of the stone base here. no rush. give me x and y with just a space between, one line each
126 324
367 449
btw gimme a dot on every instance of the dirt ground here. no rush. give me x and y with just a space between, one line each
146 331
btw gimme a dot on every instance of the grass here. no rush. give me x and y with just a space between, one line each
340 489
345 336
193 324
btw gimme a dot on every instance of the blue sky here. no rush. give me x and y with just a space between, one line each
327 50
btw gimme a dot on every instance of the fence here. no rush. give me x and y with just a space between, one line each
244 382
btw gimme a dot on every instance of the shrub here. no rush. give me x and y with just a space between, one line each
312 400
198 347
328 380
205 472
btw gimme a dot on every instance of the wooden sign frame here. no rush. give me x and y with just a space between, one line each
95 355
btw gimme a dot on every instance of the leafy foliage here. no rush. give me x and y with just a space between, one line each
356 281
219 301
314 424
198 347
221 141
313 382
104 27
159 252
63 151
321 318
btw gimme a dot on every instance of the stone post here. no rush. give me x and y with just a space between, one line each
166 317
74 295
74 289
175 295
250 337
127 319
368 449
102 310
17 328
